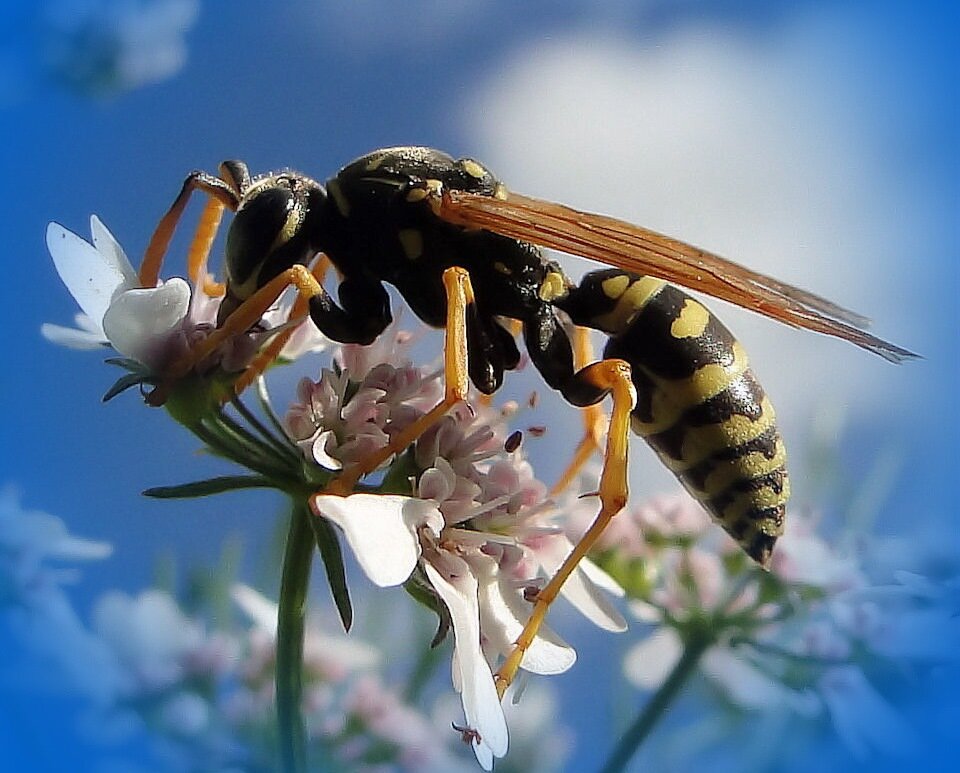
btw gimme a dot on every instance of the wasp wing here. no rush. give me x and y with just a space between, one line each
640 250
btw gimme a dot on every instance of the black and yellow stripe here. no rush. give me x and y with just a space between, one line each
698 404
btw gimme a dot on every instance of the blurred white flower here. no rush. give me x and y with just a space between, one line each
787 640
151 638
106 47
59 653
360 699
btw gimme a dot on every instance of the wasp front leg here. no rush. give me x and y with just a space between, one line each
242 319
297 316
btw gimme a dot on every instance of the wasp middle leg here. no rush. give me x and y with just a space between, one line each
460 303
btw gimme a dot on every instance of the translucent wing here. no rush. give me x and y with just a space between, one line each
633 248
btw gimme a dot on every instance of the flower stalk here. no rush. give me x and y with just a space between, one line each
699 641
297 559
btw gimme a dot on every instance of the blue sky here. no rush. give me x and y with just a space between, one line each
812 140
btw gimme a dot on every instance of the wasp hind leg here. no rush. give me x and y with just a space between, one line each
460 300
550 351
593 416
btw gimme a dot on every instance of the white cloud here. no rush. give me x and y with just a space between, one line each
752 146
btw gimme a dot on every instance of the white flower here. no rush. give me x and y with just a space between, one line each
471 572
61 654
385 534
145 324
330 656
649 662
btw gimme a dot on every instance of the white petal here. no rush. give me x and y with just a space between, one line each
503 613
601 579
644 612
481 705
90 277
318 449
73 338
138 321
261 610
579 589
648 663
381 529
748 687
112 253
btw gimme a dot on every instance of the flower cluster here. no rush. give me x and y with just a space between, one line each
473 526
801 638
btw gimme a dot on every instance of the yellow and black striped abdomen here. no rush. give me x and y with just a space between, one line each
698 404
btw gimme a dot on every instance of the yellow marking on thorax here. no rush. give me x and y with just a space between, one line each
474 169
343 206
630 297
416 194
287 232
692 321
374 163
552 287
614 286
411 240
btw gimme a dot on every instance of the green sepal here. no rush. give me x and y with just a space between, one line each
419 587
204 488
124 383
330 553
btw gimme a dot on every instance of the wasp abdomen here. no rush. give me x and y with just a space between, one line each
698 404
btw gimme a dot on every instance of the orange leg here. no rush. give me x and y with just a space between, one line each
244 317
200 249
217 188
269 354
456 281
615 376
594 419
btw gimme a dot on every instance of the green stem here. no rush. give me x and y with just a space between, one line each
290 626
636 734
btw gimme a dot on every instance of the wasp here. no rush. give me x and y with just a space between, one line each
465 255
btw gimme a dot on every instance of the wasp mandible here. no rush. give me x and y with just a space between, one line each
464 253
